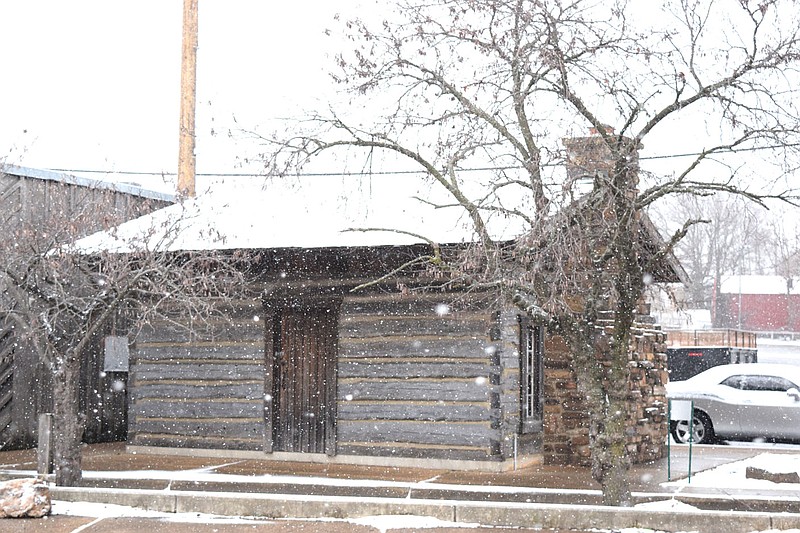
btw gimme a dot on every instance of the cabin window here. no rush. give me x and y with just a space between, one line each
531 376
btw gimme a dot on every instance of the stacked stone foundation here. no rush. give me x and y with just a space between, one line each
566 419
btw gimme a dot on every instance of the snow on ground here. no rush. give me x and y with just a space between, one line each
732 475
786 352
107 510
383 523
667 505
207 475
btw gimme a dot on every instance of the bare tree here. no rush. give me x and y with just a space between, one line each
728 241
480 94
782 245
59 299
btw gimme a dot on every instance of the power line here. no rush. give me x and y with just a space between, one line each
408 172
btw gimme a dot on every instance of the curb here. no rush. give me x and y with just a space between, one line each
541 515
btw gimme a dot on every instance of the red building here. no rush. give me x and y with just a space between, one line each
759 303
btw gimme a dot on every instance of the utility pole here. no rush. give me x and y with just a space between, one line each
186 156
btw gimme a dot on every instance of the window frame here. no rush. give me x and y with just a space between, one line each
531 386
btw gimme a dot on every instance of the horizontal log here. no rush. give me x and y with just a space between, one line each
173 441
239 309
145 352
448 391
445 412
196 371
430 304
219 331
219 307
379 325
206 390
198 409
439 433
402 370
416 452
407 346
246 428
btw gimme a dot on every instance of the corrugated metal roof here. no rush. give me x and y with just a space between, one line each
62 177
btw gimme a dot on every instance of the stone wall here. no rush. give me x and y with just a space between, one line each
566 422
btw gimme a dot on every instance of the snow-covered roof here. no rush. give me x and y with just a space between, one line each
317 212
752 284
62 177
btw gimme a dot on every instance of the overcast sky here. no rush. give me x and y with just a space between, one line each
95 84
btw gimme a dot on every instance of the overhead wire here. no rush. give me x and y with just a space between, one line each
390 172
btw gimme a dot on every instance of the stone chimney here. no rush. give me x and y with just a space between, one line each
589 159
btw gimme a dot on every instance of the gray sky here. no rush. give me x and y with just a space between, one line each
95 84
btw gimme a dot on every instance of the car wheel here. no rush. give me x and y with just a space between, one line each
702 431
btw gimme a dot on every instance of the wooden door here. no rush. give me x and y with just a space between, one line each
303 389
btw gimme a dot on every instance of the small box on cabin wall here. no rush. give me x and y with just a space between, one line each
117 354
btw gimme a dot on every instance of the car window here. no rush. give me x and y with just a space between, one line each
777 383
759 383
737 382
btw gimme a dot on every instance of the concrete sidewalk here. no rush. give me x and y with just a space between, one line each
534 496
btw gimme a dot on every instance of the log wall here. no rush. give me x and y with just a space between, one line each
200 387
415 378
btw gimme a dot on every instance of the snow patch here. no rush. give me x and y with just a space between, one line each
733 475
666 505
107 510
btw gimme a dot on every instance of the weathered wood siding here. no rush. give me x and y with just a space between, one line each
200 387
25 383
103 397
7 346
303 389
418 378
28 199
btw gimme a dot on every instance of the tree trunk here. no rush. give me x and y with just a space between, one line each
68 423
612 460
611 463
608 420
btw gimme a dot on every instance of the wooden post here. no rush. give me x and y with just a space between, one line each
44 449
186 155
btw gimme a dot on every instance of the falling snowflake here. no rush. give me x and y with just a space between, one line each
442 309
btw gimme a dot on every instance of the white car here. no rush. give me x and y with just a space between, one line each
738 401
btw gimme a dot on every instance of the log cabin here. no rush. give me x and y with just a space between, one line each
334 355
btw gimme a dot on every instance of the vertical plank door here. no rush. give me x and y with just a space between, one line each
304 378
